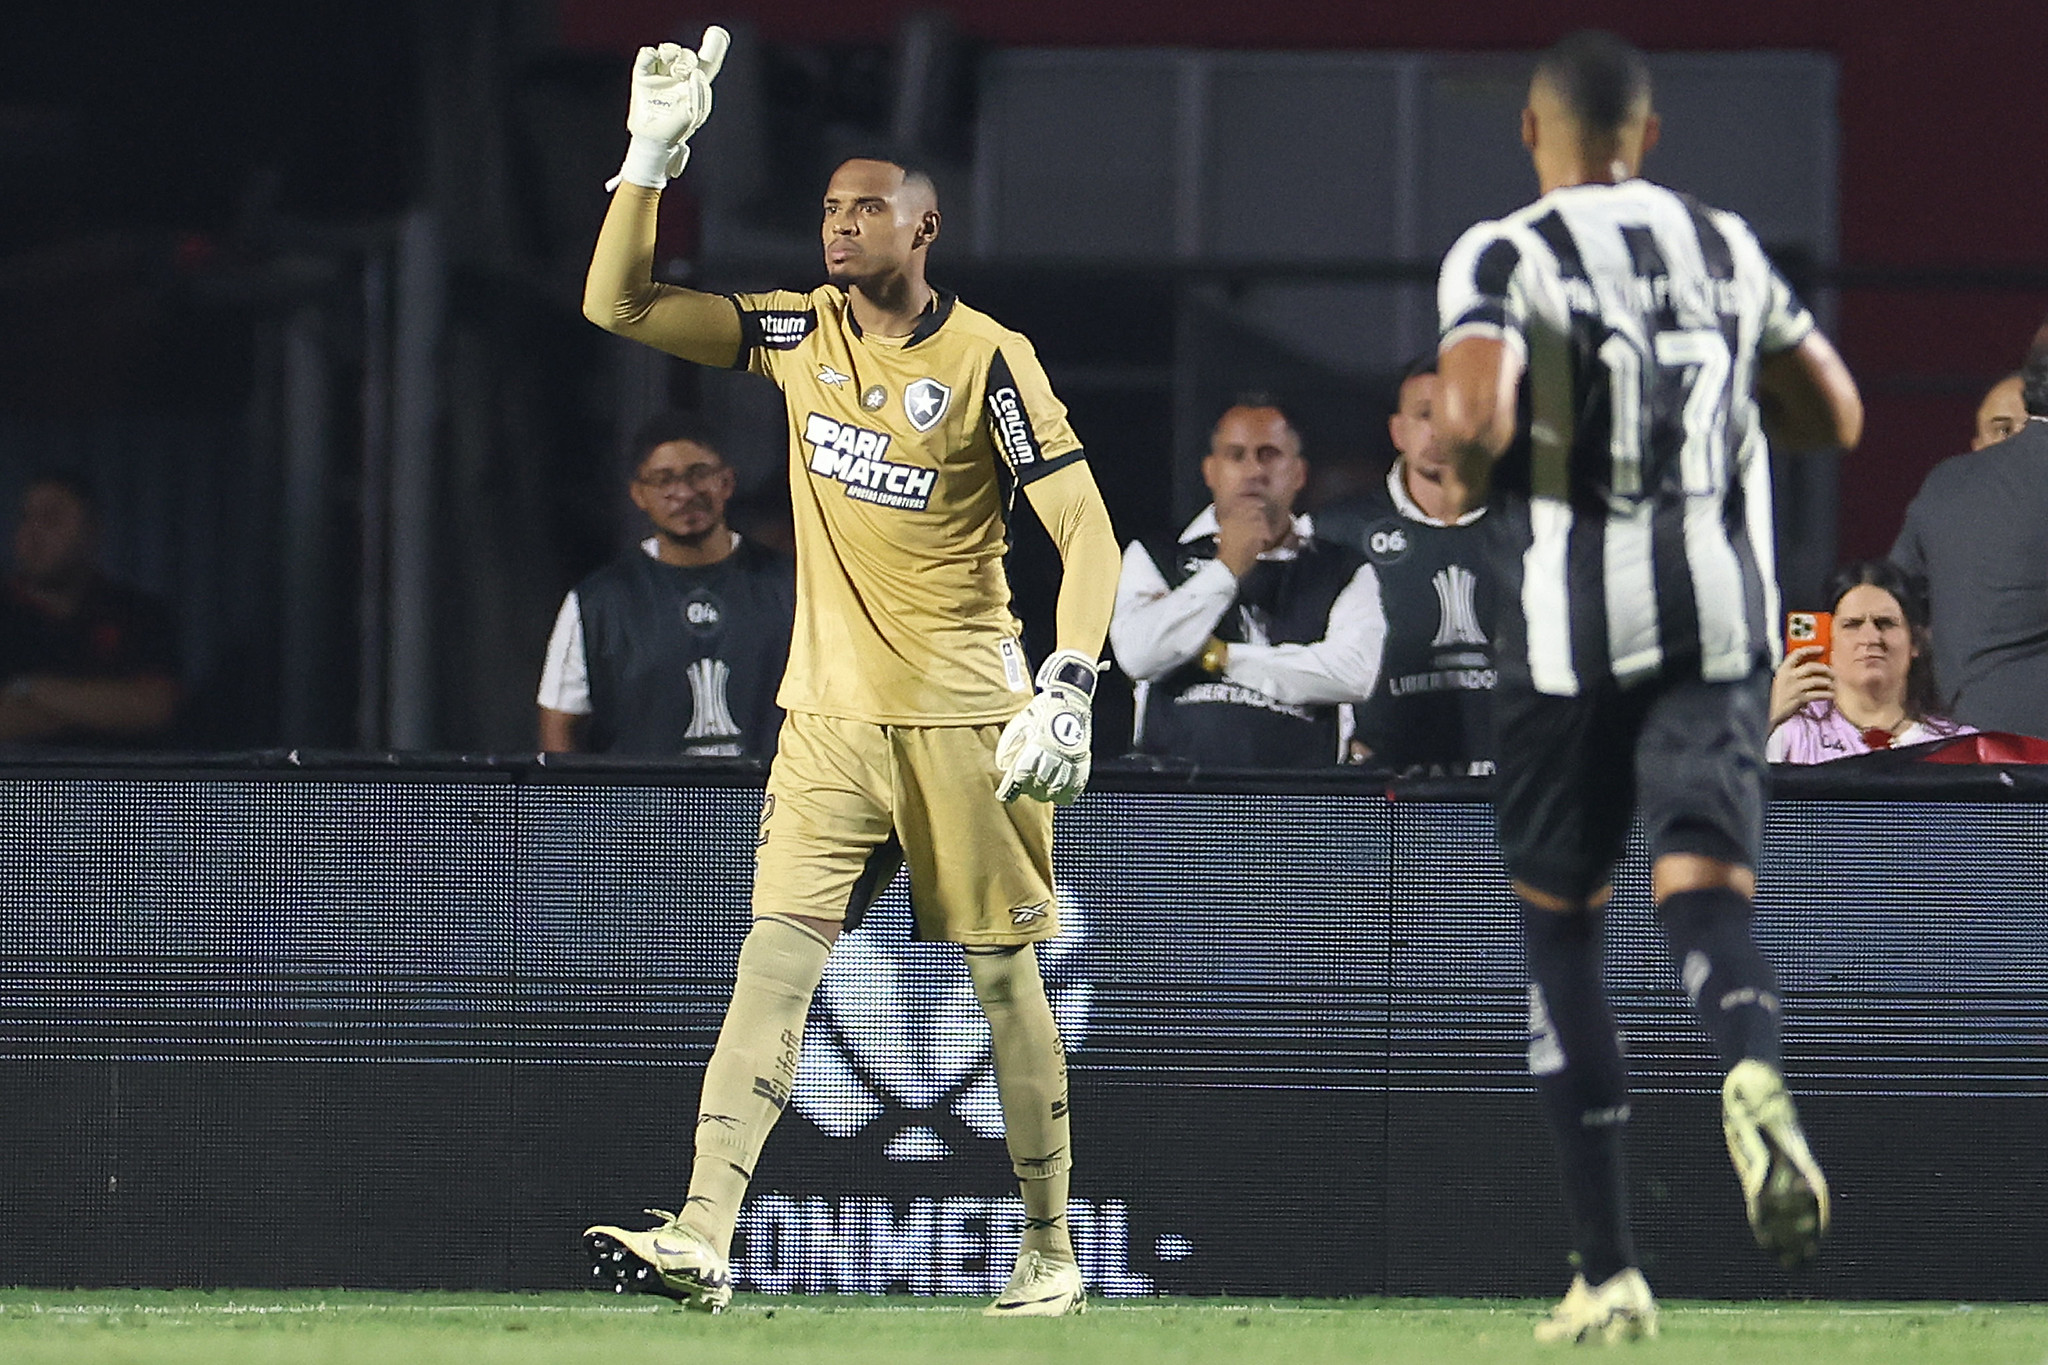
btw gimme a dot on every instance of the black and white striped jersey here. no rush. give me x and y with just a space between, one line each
1632 517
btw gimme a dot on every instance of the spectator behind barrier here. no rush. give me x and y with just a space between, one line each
84 660
2002 413
676 647
1249 635
1432 712
1874 689
1977 534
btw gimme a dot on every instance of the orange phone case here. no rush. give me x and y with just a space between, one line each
1803 628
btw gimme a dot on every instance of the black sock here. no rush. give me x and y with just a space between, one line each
1732 989
1575 1056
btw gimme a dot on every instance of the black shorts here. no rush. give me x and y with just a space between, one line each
1687 755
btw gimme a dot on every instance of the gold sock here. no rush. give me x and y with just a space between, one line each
1045 1217
1031 1077
752 1069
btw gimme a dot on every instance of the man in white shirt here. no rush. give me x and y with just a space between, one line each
1432 712
1249 637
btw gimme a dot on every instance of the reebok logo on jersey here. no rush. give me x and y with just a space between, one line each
853 456
828 375
1026 914
1012 428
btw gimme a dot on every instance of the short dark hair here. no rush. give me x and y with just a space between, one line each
1602 79
914 170
1922 700
664 427
1261 398
1421 365
2034 381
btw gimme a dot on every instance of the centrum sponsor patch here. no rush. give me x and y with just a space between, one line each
1013 428
856 458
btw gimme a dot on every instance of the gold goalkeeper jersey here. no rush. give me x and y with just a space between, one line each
904 454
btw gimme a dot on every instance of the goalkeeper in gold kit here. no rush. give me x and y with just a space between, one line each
914 734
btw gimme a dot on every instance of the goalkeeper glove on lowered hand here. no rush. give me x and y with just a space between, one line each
671 100
1044 749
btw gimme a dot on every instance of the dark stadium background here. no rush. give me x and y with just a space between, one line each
182 182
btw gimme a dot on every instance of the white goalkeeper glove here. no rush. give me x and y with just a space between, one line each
1044 749
671 100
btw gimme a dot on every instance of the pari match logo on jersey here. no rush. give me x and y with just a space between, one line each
857 458
898 1050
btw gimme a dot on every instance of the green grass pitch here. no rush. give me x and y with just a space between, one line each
112 1327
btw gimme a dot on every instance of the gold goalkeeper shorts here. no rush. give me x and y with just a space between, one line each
850 802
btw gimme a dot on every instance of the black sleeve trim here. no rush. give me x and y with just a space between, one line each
743 360
773 329
1033 473
1009 425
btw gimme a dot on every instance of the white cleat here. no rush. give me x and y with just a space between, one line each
1783 1190
1619 1310
1040 1287
671 1260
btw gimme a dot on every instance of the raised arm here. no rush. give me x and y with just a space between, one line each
671 100
621 296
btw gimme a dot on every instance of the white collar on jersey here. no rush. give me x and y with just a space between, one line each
1405 504
1204 524
651 547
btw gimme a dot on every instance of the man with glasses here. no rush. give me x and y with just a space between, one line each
676 647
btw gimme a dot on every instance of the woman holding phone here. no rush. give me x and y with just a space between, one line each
1872 687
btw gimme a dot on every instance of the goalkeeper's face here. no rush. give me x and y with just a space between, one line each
878 221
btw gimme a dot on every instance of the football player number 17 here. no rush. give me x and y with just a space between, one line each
1695 364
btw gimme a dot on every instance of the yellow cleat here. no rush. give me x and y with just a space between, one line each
671 1260
1040 1287
1619 1310
1782 1188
